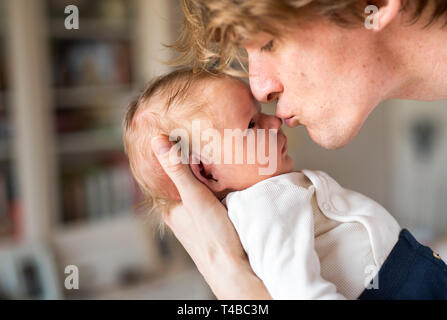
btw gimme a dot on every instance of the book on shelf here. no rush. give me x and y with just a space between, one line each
5 126
3 65
86 119
98 191
91 62
10 207
5 221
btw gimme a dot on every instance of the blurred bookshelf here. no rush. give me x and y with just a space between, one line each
9 202
85 211
91 79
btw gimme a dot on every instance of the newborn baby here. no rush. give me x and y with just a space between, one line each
305 236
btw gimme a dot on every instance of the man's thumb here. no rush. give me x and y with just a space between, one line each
179 173
161 145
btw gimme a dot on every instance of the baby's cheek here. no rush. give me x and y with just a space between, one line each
241 176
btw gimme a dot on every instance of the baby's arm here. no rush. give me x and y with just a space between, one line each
275 224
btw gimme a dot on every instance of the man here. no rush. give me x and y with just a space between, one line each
327 71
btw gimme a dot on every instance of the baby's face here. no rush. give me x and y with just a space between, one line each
261 155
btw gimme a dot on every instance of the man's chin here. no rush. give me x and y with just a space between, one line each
330 142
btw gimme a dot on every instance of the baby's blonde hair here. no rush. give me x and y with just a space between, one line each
177 102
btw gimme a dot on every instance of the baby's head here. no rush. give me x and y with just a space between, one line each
210 117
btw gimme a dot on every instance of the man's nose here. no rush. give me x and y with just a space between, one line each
265 86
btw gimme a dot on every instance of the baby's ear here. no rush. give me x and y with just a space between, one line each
203 171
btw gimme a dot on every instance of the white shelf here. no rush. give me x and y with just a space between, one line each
106 95
187 284
75 229
7 243
90 28
103 250
89 141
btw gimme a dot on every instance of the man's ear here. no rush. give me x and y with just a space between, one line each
205 173
388 11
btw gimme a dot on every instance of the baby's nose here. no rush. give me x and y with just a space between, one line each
275 122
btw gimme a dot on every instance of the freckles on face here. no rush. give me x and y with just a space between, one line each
325 84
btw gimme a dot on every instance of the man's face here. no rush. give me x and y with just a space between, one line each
324 77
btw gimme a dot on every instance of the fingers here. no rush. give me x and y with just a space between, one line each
174 216
187 185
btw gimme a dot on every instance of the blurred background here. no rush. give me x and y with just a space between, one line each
66 194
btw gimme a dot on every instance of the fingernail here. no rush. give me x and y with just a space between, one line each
160 145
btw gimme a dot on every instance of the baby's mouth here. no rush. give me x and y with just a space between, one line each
284 146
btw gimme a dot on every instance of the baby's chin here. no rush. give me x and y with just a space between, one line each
287 165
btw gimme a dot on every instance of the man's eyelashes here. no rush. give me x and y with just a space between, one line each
268 46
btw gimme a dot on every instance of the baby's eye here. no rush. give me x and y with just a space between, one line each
268 46
251 124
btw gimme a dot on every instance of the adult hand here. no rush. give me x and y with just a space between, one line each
202 226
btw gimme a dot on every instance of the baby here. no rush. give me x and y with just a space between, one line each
305 236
